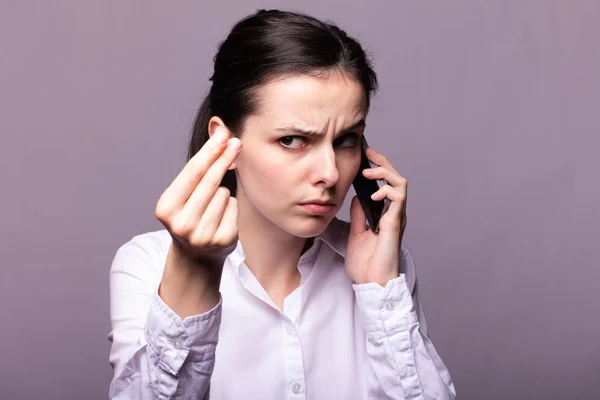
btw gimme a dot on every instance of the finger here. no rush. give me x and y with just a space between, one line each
211 217
386 191
358 219
210 182
228 227
391 221
186 181
379 159
391 177
213 177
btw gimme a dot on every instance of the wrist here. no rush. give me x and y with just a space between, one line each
381 279
187 286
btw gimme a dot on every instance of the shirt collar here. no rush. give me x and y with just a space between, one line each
335 236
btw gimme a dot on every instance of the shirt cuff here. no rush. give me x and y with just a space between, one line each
388 309
172 340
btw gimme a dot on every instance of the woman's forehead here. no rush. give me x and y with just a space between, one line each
313 102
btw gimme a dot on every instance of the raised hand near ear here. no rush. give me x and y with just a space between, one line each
201 217
374 257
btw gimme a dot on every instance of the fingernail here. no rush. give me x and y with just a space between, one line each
235 143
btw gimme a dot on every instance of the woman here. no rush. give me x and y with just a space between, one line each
254 290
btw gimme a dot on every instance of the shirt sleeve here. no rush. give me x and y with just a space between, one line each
154 353
403 364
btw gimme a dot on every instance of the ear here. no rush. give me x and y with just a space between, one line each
215 125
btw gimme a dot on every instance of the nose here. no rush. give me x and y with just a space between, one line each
325 171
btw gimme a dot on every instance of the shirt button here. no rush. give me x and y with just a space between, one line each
290 331
178 344
389 306
296 388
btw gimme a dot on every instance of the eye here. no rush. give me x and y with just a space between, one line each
292 142
347 140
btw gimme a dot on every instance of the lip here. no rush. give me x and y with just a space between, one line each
318 208
321 202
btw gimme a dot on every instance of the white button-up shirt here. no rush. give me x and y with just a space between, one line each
334 339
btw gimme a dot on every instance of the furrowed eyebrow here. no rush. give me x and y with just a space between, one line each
298 131
307 132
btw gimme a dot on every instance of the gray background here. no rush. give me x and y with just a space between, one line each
490 109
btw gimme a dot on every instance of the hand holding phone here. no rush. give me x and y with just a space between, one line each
365 187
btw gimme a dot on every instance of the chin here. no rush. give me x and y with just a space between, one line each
306 227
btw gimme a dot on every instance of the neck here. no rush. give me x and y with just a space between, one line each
271 253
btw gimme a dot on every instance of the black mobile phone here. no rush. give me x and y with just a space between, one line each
365 187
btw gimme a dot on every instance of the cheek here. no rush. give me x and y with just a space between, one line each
348 168
275 175
263 173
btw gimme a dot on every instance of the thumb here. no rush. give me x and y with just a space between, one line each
358 219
